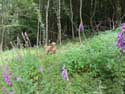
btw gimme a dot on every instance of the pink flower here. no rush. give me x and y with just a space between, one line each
65 73
41 69
5 90
81 27
7 76
121 38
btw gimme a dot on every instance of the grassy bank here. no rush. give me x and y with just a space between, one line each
92 68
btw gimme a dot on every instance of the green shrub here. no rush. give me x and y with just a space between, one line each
96 55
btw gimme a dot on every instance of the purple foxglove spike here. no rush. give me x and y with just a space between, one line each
121 38
65 73
81 27
7 76
123 26
5 90
41 69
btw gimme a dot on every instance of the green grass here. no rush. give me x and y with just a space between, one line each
92 68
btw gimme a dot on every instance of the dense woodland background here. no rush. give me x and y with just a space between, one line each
34 22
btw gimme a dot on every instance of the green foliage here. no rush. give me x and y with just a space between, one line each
28 69
96 55
92 68
99 58
118 29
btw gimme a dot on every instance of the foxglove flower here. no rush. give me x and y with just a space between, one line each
65 73
81 27
7 76
123 26
121 39
5 90
41 69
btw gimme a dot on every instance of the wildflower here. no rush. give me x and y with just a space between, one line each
65 73
41 69
5 90
121 39
81 27
18 79
7 76
123 26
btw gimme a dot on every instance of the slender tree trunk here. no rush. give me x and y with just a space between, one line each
43 24
2 39
38 33
3 28
59 22
73 36
93 3
2 35
80 21
27 39
39 25
47 11
118 7
40 36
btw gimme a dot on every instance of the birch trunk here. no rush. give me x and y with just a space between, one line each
47 11
59 23
3 29
38 33
80 20
73 36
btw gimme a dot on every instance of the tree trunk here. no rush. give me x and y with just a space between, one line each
59 23
3 28
80 11
38 33
73 36
118 9
93 6
47 10
2 39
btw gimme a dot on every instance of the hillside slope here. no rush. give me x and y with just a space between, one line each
92 68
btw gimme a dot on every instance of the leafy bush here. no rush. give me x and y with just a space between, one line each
95 55
99 58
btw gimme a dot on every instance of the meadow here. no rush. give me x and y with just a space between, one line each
93 68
